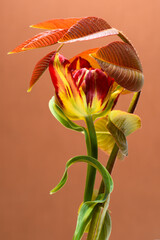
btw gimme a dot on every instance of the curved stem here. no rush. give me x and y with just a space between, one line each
113 155
92 151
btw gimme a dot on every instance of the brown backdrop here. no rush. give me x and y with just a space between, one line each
35 147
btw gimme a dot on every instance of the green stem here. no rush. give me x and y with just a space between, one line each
109 167
92 150
113 155
134 102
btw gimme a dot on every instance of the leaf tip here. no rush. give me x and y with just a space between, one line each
29 89
10 53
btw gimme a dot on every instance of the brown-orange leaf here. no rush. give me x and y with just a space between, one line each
39 69
42 39
120 61
47 38
56 23
88 28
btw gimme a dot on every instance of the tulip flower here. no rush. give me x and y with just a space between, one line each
87 88
80 90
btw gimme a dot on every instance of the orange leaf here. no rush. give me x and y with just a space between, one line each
86 55
47 38
88 28
39 69
43 39
56 23
120 61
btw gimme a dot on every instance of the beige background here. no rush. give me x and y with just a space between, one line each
35 147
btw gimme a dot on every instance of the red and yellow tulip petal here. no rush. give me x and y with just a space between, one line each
79 63
120 61
56 23
96 84
43 39
88 28
86 55
62 79
67 92
39 69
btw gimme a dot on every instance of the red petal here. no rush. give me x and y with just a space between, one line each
56 23
79 63
39 69
87 55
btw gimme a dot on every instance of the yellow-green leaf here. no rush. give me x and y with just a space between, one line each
114 129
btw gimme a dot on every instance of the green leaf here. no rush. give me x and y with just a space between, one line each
93 162
107 227
84 218
62 118
101 228
87 208
115 128
98 223
65 121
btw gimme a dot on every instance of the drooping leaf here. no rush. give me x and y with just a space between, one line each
43 39
88 28
116 128
120 61
56 23
87 207
119 137
39 69
96 164
104 137
126 122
